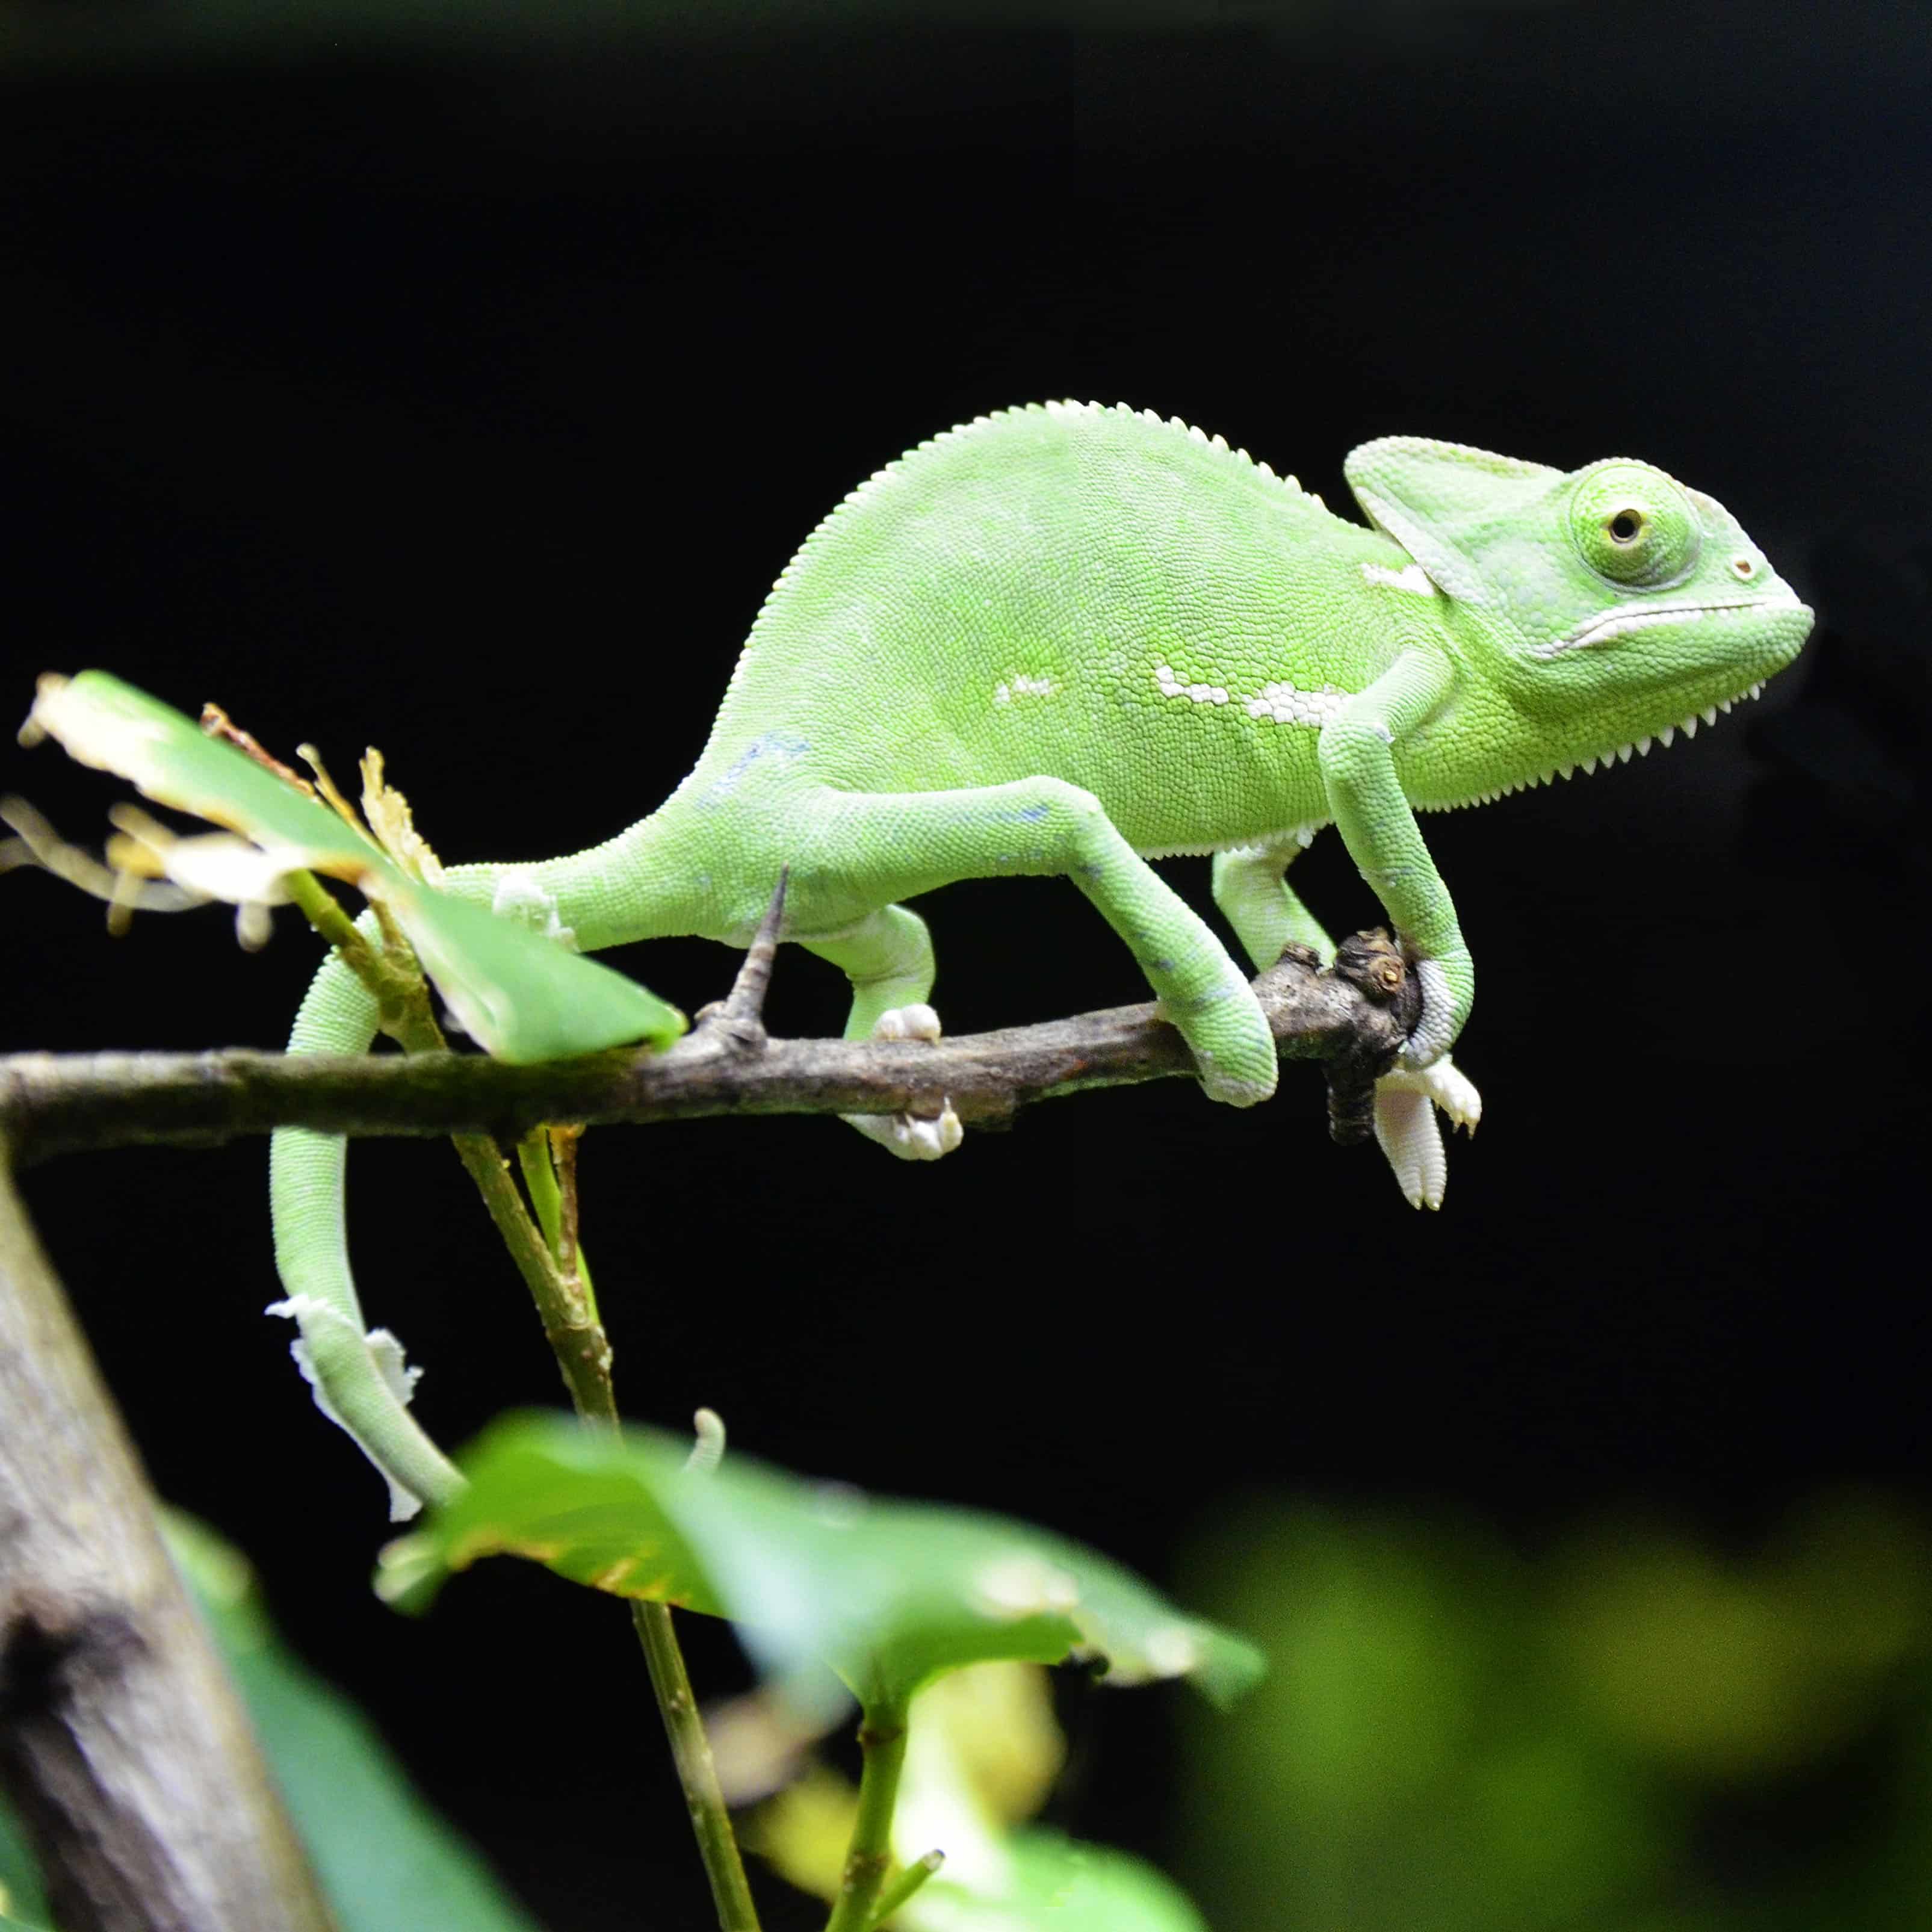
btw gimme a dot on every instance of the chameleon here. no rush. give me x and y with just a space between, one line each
1069 639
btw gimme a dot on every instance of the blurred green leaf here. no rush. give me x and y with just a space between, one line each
1408 1757
520 995
889 1595
385 1859
23 1900
1630 1732
1057 1885
957 1791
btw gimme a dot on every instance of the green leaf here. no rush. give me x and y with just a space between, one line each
889 1595
101 721
520 995
384 1857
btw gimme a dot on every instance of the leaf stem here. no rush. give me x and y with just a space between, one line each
561 1293
882 1737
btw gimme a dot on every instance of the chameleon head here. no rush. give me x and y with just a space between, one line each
1610 594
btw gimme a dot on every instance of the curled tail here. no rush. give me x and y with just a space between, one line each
629 888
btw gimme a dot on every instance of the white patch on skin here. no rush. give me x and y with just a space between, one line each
1171 686
1411 577
1284 703
518 896
1024 685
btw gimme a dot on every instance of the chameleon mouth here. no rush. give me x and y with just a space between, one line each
1626 618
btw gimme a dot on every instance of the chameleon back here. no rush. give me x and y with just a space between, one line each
1032 594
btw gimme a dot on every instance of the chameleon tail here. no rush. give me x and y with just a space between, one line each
627 889
358 1377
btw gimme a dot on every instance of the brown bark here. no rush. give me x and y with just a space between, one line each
1353 1018
122 1744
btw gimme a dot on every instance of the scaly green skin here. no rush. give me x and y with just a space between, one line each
1063 640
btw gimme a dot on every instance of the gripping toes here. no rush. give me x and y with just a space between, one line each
1236 1052
916 1021
911 1138
1405 1126
905 1134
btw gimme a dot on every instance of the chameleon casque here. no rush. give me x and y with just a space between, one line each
1068 639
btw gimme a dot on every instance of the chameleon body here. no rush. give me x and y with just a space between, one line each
1065 640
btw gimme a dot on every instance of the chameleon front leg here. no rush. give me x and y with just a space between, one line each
888 958
1377 823
1267 914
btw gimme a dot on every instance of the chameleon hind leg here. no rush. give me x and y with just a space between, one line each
911 842
888 958
1252 889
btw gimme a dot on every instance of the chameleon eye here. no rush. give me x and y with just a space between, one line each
1633 526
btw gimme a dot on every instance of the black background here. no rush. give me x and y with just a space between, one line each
463 396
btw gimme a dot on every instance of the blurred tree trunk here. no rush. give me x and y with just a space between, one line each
122 1743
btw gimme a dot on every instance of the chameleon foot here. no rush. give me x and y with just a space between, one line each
916 1021
905 1134
1406 1104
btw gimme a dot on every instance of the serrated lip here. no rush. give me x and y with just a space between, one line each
1622 619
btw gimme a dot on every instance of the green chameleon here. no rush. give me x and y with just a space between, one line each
1071 639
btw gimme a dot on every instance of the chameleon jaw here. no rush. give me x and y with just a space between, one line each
1623 619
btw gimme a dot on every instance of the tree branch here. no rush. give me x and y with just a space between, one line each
1354 1017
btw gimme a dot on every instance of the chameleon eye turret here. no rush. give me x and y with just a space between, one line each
1633 526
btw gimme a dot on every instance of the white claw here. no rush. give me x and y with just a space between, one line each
1711 713
1667 736
1643 748
1689 728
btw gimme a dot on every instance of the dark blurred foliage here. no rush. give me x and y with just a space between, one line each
1623 1731
459 382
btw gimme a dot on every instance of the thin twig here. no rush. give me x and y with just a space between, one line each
571 1325
895 1895
739 1016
